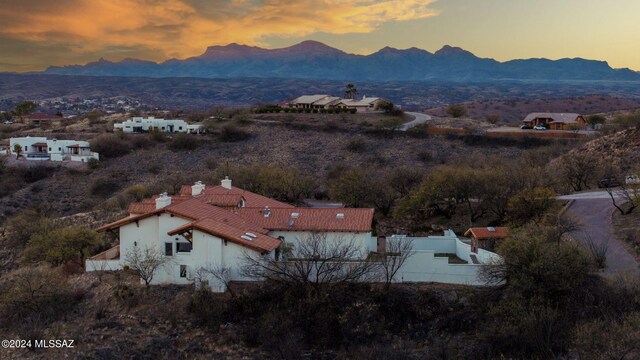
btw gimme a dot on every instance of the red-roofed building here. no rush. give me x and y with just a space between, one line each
486 237
217 225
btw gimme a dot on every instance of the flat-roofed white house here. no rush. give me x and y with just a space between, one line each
205 226
141 124
41 148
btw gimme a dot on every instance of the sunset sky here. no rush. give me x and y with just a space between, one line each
37 33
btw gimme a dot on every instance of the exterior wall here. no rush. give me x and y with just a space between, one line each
364 241
56 150
139 124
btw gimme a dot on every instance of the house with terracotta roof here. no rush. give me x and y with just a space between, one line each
41 118
555 121
204 226
41 148
486 237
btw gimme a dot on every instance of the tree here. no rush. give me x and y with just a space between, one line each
17 148
146 261
628 193
399 250
25 108
220 273
596 119
529 205
351 186
351 91
578 170
315 262
457 110
61 245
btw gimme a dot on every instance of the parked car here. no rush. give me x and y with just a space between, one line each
609 182
632 179
526 127
539 127
7 122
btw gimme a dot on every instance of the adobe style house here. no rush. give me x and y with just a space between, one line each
218 226
40 118
40 148
486 237
141 124
329 102
555 121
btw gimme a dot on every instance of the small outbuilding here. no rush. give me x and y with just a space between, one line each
486 237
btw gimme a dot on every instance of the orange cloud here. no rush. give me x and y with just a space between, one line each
159 29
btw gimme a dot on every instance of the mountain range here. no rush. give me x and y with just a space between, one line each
315 60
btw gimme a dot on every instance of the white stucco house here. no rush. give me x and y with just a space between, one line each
141 124
216 226
41 148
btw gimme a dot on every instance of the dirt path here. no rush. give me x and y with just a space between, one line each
594 215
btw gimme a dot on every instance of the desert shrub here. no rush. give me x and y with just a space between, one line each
457 110
529 205
62 245
110 145
93 164
34 294
34 173
357 145
138 192
609 338
231 133
21 227
184 142
104 186
493 119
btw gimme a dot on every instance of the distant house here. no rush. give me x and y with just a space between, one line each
40 148
362 105
141 124
314 102
555 121
41 118
329 102
486 237
4 146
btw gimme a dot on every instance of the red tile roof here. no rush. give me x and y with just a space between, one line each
149 204
318 219
223 200
231 233
251 199
486 233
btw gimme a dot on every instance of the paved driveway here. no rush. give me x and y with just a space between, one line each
594 214
419 118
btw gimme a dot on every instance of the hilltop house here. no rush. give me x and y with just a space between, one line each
41 118
329 102
40 148
141 124
216 226
362 105
486 237
555 121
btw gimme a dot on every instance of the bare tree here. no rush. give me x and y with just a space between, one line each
216 271
146 261
628 193
315 261
578 170
597 249
399 249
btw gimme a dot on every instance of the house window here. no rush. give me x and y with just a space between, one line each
168 249
183 247
49 149
59 149
180 127
183 271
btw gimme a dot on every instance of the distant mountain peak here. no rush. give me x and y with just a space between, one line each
310 47
449 50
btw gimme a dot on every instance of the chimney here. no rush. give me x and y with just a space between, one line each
163 201
226 183
197 188
266 212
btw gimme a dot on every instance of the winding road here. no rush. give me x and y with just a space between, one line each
419 118
594 210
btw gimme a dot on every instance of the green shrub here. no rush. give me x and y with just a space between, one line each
104 186
457 110
231 133
111 145
184 142
59 246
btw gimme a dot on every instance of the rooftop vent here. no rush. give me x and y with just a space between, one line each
491 228
248 238
266 212
251 235
163 201
340 216
197 188
295 215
